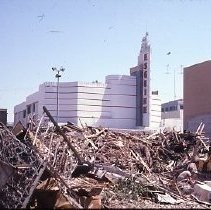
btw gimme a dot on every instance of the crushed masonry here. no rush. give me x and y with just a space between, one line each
71 167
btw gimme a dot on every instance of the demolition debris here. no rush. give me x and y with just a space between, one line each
71 167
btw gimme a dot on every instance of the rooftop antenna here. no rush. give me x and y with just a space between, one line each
174 76
167 69
174 86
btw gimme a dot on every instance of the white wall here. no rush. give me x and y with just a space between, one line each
18 113
110 105
171 124
113 106
172 119
122 93
155 111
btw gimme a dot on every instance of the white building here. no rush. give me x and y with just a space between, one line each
122 102
172 115
109 105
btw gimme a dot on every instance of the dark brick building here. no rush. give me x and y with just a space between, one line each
197 96
3 116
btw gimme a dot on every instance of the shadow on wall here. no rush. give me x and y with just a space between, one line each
192 124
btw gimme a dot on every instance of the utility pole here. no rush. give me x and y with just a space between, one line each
57 89
174 76
174 86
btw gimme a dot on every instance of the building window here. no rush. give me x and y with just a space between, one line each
145 100
145 74
166 109
28 109
144 109
145 92
24 113
145 83
162 110
173 108
33 107
181 106
145 57
155 92
145 65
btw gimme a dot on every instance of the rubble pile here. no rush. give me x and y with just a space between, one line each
20 166
71 167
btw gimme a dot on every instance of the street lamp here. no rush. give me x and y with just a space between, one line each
57 91
174 75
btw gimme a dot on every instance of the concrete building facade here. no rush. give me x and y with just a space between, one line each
148 104
172 115
97 104
197 96
123 101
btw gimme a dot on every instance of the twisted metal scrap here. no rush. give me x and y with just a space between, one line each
14 152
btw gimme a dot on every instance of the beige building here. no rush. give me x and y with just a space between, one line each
197 96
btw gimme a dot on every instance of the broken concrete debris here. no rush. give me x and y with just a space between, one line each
203 192
71 167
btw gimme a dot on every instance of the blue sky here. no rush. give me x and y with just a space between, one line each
98 38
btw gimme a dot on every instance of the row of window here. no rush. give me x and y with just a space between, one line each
155 92
171 108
